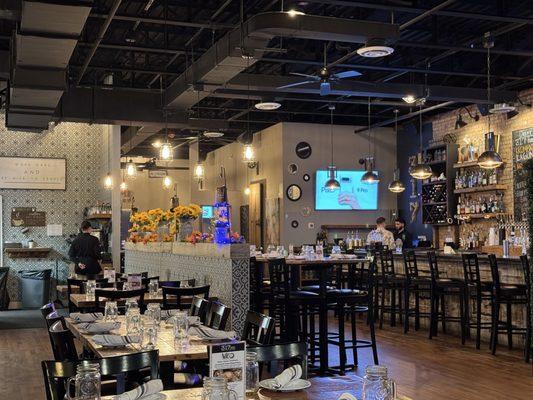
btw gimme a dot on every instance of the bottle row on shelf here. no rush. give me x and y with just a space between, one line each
492 204
471 179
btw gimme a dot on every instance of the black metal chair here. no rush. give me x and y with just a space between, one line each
258 288
62 341
80 284
477 291
417 285
529 327
199 306
508 295
47 309
52 318
119 373
180 283
288 352
388 282
440 289
117 295
173 296
258 329
217 315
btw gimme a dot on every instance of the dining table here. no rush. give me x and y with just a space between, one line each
82 301
322 388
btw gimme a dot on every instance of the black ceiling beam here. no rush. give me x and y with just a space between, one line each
413 10
127 70
142 49
468 49
161 21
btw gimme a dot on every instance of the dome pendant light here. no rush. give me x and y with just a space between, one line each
199 168
396 186
420 170
332 183
131 169
489 159
369 177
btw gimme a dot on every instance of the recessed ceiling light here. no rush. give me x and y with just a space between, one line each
267 105
409 99
213 134
375 48
501 108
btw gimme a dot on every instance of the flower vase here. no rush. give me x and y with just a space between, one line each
162 230
185 229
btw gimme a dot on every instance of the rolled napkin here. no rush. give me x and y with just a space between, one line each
142 392
89 317
115 340
204 332
98 327
287 376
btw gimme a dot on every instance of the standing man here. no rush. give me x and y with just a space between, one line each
85 251
401 233
380 234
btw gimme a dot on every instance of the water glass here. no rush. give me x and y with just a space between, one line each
132 305
87 382
153 313
90 287
180 325
133 322
149 337
153 288
111 311
252 373
376 384
336 250
217 389
280 250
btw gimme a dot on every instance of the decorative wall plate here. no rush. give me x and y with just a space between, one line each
292 168
295 224
294 192
303 150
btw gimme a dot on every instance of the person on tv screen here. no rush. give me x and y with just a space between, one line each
400 232
380 234
349 199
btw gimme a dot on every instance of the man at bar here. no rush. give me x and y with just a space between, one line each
85 251
400 232
380 234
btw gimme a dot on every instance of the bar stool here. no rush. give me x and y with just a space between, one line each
440 288
477 291
389 282
529 328
259 288
417 285
351 302
508 295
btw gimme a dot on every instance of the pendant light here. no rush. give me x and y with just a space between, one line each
332 183
369 177
131 169
199 168
420 170
248 152
166 150
396 186
489 159
167 182
108 180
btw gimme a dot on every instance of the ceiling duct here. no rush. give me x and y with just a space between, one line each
245 45
40 52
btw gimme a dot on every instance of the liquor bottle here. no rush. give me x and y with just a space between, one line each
459 206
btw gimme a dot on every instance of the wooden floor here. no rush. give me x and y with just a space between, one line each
424 369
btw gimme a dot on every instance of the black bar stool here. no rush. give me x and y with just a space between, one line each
389 283
477 291
529 328
440 288
417 285
508 295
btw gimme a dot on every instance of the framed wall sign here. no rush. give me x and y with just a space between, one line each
33 173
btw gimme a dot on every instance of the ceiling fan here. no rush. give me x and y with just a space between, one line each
324 76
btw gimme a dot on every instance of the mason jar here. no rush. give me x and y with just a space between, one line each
377 385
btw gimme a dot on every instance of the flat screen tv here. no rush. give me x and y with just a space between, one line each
207 212
353 194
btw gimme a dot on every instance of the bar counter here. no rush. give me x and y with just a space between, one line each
224 267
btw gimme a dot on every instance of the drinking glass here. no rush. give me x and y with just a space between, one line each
126 286
252 373
87 382
90 287
153 313
271 248
133 322
217 389
181 325
153 288
336 250
111 311
149 336
281 251
376 384
132 305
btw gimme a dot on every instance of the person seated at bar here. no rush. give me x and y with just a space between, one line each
85 251
380 234
400 232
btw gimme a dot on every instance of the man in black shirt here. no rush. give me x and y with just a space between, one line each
401 233
85 251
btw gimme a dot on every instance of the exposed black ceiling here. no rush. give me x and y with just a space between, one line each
150 43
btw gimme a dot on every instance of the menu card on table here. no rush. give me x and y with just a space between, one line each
227 361
110 274
135 281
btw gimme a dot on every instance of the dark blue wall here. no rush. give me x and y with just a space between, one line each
408 145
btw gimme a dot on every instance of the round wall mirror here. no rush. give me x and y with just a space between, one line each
292 168
294 192
303 150
295 224
306 177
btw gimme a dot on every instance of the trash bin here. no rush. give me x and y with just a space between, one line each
4 296
35 285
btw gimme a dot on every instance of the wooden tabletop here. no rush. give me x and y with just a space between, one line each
321 389
81 301
168 351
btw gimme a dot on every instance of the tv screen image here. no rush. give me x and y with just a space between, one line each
353 194
207 212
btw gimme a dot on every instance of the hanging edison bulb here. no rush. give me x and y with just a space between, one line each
108 181
199 171
167 182
123 186
247 191
131 169
166 152
248 154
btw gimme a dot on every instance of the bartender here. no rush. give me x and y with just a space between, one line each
401 233
85 251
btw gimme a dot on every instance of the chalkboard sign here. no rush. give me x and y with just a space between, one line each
522 151
27 216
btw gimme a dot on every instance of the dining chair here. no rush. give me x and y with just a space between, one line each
146 281
117 295
258 329
180 283
62 341
53 317
119 373
80 284
529 323
47 309
286 352
173 296
217 315
199 307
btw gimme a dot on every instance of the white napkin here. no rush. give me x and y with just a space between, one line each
287 376
203 332
98 327
167 316
89 317
142 392
115 340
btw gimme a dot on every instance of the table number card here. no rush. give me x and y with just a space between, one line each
110 274
227 361
135 281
